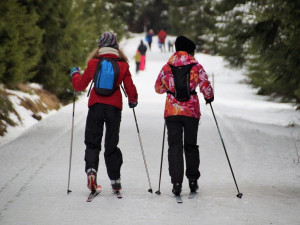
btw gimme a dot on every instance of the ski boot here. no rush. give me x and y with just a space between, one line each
176 189
193 185
92 179
116 185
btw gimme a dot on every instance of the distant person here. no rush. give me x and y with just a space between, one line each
170 46
105 109
162 38
137 58
149 36
142 49
159 44
182 111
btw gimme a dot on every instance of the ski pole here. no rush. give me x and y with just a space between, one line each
161 161
239 195
71 146
124 91
145 163
150 190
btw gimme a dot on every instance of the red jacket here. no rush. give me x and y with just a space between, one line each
162 36
80 83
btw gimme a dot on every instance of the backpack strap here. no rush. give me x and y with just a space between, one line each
193 92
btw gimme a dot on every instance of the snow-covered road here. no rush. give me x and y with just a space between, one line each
263 150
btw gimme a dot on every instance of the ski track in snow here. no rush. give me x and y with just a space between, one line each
263 150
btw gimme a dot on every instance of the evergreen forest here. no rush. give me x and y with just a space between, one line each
40 41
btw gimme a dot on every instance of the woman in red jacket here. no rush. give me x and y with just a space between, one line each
105 109
182 117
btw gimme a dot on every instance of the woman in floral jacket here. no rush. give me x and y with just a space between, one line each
183 117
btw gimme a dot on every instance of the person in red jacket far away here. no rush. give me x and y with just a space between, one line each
104 110
162 38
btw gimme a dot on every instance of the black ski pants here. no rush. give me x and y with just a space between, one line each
182 134
98 115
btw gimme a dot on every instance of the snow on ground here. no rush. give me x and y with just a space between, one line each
263 149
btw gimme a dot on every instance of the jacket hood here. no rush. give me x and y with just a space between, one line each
181 58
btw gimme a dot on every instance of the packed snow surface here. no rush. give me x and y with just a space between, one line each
262 139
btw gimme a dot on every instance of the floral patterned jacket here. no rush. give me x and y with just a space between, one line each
198 77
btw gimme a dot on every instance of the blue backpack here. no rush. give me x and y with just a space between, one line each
106 76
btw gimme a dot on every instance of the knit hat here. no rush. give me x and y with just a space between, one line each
182 43
108 39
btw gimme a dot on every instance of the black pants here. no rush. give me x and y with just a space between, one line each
137 68
177 126
149 43
98 115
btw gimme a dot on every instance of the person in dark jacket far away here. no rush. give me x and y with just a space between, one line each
142 49
105 109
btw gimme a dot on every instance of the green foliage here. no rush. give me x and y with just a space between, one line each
96 17
41 40
142 15
182 16
71 32
264 37
234 29
276 41
58 52
20 40
155 16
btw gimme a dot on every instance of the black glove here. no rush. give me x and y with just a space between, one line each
132 105
209 100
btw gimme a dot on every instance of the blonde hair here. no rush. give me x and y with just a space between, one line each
123 57
94 55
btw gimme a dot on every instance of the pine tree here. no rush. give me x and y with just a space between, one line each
20 43
192 18
234 27
276 36
263 36
275 41
54 19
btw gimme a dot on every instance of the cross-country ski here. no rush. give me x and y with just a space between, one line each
94 193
